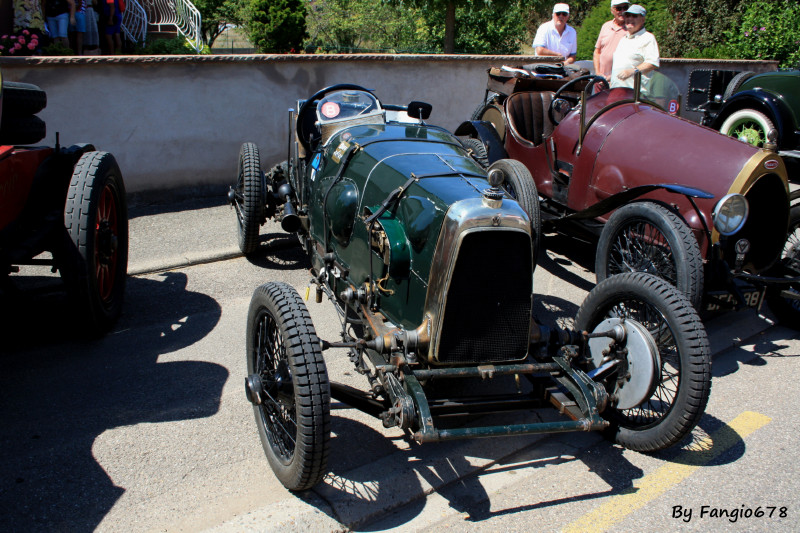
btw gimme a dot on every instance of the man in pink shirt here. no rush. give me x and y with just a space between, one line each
610 35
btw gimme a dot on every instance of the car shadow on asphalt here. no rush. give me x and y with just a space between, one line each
469 497
279 251
561 252
59 393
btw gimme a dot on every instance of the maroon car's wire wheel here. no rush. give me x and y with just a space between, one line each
278 408
106 243
641 247
652 410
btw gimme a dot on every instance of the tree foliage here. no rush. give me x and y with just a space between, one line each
768 30
365 25
480 25
275 26
215 15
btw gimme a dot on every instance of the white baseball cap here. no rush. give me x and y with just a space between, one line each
561 8
636 9
618 2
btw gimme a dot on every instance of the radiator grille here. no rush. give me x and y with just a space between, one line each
488 310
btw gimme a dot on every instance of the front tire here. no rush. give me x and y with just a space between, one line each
647 237
248 198
288 386
96 218
748 125
682 391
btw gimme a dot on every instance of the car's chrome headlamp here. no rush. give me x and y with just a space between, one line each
730 214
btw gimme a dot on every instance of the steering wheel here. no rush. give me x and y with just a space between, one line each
571 99
309 105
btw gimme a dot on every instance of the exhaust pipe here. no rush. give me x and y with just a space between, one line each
290 222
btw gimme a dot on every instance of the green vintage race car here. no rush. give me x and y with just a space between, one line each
429 263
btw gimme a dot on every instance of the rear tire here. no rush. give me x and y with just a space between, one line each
96 219
248 198
285 366
681 395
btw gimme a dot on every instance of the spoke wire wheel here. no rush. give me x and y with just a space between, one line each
787 310
94 264
681 394
293 416
646 237
748 125
248 198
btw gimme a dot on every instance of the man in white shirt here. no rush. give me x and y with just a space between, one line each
556 37
636 52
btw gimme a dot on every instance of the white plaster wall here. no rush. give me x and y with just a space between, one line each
179 121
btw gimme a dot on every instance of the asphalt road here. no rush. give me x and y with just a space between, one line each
148 428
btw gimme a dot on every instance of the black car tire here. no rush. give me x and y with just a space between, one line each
681 393
22 99
95 263
22 130
627 245
736 82
786 310
492 111
284 356
519 185
248 198
748 122
477 151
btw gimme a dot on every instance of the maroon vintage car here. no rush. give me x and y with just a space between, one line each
658 193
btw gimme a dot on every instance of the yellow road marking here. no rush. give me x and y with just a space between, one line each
651 486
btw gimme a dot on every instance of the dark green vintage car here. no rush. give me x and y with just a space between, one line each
429 263
748 106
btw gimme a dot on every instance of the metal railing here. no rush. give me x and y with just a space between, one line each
134 22
179 13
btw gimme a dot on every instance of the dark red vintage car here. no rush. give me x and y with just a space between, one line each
63 207
657 193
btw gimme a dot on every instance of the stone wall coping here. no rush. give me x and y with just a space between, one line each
273 58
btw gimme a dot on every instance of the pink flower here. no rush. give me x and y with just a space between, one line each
4 36
25 32
2 47
747 34
17 46
22 40
31 46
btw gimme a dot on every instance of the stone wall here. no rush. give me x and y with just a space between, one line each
178 121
